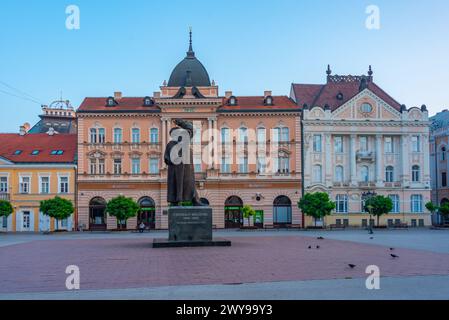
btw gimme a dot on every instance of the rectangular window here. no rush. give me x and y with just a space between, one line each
45 185
154 165
341 203
444 179
4 184
243 135
117 135
101 135
395 199
24 186
338 144
364 144
285 134
388 144
243 165
284 164
261 136
317 143
93 166
197 163
416 203
225 165
416 144
117 166
101 166
225 136
135 164
26 220
93 135
4 222
64 185
261 164
154 135
135 135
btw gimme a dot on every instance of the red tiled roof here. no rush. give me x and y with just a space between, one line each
257 104
44 143
123 104
320 95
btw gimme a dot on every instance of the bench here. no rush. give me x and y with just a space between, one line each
337 226
293 226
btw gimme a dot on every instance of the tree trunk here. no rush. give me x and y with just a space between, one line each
378 221
314 218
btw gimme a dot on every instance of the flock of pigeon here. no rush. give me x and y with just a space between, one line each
350 265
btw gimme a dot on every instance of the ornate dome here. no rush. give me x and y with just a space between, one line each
190 72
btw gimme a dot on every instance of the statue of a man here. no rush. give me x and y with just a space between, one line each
179 159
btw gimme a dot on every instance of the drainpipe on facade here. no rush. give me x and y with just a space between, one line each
302 163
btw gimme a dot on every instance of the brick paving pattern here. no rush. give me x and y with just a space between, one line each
39 266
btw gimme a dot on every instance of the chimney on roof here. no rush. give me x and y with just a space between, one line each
228 94
266 93
117 95
156 94
22 130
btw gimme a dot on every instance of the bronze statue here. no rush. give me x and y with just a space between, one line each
178 157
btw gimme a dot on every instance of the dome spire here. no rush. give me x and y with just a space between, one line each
190 53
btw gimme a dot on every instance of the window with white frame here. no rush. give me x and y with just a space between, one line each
44 184
24 185
317 174
389 174
135 165
364 174
284 163
93 166
154 165
225 164
3 184
243 164
261 164
197 133
285 134
118 135
341 203
101 169
63 184
225 136
154 135
416 172
93 135
338 144
416 147
101 135
135 135
261 136
4 222
317 147
388 144
197 163
339 172
243 135
276 132
396 205
416 203
117 166
363 143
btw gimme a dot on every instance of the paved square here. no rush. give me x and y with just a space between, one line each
34 264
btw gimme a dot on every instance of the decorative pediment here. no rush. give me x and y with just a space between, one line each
317 113
4 161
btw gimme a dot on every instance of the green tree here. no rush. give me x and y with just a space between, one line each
57 208
378 206
5 208
316 205
122 208
431 207
444 211
248 212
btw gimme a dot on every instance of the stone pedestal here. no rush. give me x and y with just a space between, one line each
190 227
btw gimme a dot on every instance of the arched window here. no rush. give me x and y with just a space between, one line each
389 174
147 212
135 135
364 174
317 174
415 173
339 174
118 136
243 135
97 213
443 153
282 210
154 135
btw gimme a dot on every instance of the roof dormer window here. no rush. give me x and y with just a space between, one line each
232 101
268 101
147 101
110 102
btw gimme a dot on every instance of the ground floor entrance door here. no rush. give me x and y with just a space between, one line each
233 217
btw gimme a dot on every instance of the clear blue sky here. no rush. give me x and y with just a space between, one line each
247 47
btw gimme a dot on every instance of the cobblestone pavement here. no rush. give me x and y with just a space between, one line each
127 261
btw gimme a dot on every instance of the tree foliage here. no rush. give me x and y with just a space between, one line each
57 208
378 206
5 208
444 209
248 212
431 207
122 208
316 205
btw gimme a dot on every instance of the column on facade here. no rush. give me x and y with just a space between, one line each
307 156
215 138
210 146
352 159
164 139
378 160
405 159
426 164
328 160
